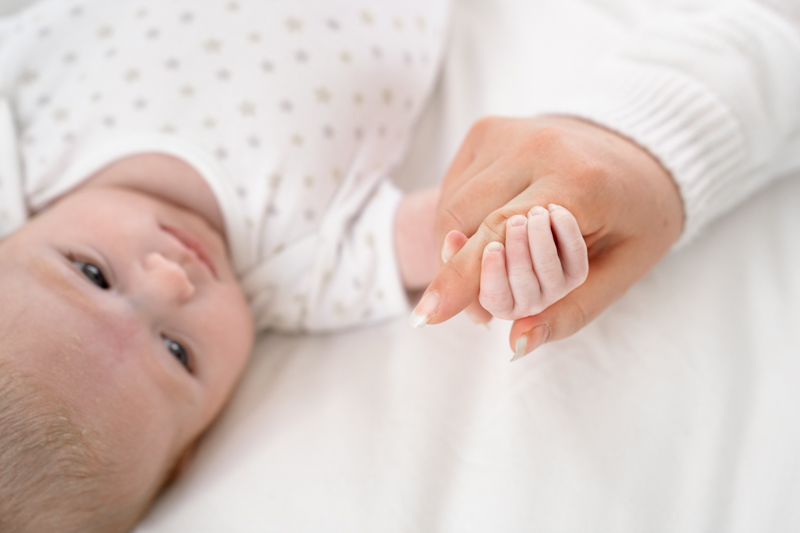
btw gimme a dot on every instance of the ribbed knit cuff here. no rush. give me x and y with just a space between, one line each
388 297
680 122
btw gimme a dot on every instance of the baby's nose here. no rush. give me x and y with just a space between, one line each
168 279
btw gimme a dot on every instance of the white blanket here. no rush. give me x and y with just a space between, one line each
676 410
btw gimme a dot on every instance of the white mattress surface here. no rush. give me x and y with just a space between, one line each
678 409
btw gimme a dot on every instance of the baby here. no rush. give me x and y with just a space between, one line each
198 171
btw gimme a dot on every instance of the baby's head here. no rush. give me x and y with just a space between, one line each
122 332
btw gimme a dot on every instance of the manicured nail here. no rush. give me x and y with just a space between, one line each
538 210
494 246
425 310
522 346
528 342
517 220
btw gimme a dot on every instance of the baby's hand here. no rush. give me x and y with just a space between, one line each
544 259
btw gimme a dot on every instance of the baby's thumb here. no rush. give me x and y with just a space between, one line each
453 242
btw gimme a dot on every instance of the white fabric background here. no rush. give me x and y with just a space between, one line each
676 410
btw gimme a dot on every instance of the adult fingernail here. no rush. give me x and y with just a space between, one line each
425 310
517 220
528 342
538 210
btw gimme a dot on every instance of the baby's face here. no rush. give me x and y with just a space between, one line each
128 309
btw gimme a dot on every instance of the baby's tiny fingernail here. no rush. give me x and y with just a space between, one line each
517 220
538 210
425 310
528 342
494 246
553 207
447 253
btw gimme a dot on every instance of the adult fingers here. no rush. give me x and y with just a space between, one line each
453 242
480 148
466 208
610 275
457 283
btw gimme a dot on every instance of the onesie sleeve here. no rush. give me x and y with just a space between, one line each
712 90
13 209
342 276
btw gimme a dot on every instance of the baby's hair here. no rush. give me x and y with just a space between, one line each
51 471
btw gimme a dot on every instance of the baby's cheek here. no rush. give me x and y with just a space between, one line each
227 330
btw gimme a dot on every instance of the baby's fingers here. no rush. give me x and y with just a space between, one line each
546 263
524 285
571 246
453 242
495 293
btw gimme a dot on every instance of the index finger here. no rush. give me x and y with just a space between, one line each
458 282
454 287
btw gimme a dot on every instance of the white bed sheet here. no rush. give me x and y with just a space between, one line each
677 410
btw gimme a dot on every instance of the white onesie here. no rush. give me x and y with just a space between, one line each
294 113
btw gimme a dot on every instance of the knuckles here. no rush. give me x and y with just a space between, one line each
493 226
484 126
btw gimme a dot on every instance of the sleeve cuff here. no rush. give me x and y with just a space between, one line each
680 122
389 295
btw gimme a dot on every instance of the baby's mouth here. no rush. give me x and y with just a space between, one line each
194 245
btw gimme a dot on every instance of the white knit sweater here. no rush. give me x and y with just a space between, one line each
712 89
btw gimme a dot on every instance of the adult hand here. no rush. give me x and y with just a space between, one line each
626 204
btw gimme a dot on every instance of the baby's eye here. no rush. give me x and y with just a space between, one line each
177 350
93 273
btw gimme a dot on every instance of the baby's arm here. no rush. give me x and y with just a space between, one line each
544 258
415 238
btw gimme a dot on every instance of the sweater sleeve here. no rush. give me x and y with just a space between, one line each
713 92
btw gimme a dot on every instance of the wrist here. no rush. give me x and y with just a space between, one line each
415 239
